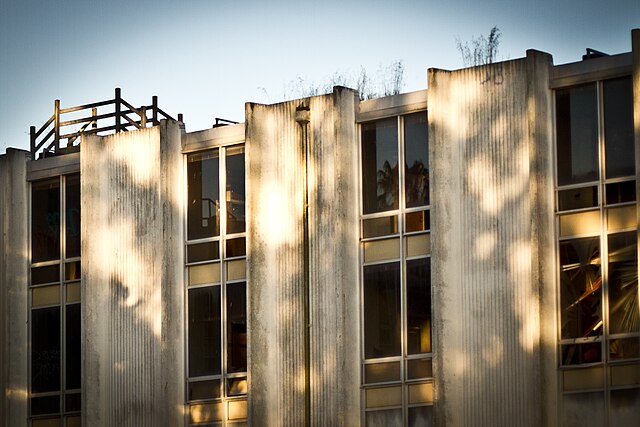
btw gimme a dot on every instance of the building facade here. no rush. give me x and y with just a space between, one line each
462 255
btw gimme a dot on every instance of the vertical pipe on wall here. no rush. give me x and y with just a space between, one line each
302 118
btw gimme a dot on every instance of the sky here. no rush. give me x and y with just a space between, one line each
206 58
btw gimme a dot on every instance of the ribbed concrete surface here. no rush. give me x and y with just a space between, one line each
486 301
275 262
126 205
14 253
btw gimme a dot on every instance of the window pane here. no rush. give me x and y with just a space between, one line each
578 198
45 405
380 165
204 331
48 274
577 134
72 206
623 283
422 416
581 282
199 390
575 354
419 306
618 127
389 417
377 227
416 159
236 328
72 328
203 210
45 349
73 402
203 252
621 192
382 310
236 247
45 220
235 190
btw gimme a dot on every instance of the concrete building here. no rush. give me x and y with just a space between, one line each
287 271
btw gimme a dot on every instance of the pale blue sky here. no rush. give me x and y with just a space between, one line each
206 58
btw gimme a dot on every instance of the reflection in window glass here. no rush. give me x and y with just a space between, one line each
621 192
576 354
235 190
382 310
45 349
416 162
72 211
380 165
204 331
419 306
577 134
421 416
581 283
385 418
45 220
236 328
203 210
623 283
618 127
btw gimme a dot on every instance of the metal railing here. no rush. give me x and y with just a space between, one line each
59 136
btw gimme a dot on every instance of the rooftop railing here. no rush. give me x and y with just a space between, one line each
61 133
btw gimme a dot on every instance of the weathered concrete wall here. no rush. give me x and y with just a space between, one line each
132 281
275 177
14 268
492 222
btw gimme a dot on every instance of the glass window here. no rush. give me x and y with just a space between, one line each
204 331
203 210
623 283
416 159
45 349
618 127
380 183
419 306
382 310
72 217
45 220
235 190
577 134
236 328
73 346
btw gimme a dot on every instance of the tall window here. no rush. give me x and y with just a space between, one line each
55 302
396 272
216 287
599 332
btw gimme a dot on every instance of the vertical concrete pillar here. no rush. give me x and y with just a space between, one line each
275 177
14 269
131 186
482 139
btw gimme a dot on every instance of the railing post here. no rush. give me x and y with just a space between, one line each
94 122
117 113
143 117
32 134
56 124
154 106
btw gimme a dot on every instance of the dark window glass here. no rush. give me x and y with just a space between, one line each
621 192
576 354
72 270
204 331
416 162
45 405
45 349
618 127
73 402
203 211
380 185
72 200
236 328
199 390
236 247
577 134
48 274
382 310
203 252
581 286
417 221
578 198
623 283
235 190
376 227
72 328
421 416
45 220
419 306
